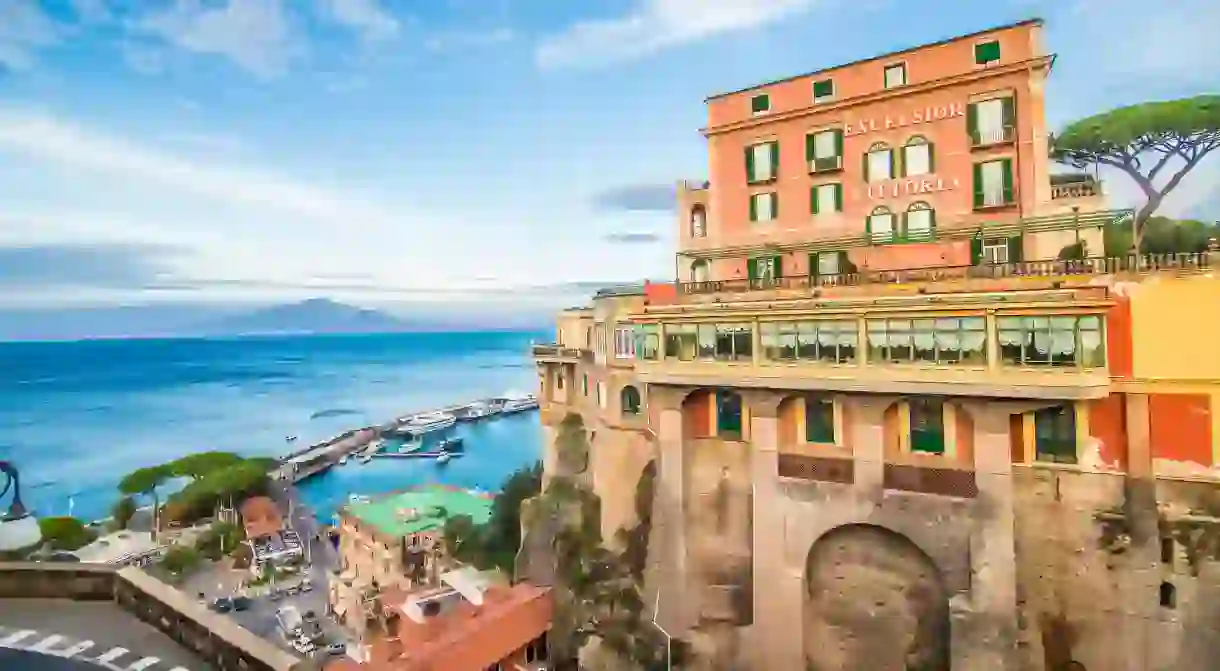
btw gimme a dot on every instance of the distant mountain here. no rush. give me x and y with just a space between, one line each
316 315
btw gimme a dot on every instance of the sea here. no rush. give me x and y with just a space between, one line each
77 416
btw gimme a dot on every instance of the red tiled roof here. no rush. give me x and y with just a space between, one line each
260 516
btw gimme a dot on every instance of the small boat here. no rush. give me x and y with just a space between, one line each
291 439
451 445
479 410
518 402
357 498
366 458
343 460
428 422
443 459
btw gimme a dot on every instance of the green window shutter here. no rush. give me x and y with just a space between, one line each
1008 194
986 52
779 267
1008 112
753 209
838 197
774 196
931 158
760 103
898 162
976 250
813 265
1014 249
838 141
843 261
978 184
810 144
752 269
774 160
749 164
972 122
826 87
868 228
931 224
813 199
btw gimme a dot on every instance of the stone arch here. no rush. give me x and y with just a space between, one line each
874 600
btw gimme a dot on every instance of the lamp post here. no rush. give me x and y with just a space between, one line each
18 528
669 640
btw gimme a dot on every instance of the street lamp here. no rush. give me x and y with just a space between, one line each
669 640
18 528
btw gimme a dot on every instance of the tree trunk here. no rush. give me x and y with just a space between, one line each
1141 217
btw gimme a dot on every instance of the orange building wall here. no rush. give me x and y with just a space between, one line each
1118 338
963 433
1180 427
1108 425
697 414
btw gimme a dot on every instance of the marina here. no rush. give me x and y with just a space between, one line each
402 438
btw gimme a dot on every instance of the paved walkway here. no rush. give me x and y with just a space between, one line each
99 633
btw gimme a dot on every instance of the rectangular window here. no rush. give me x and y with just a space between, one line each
681 342
1055 435
823 91
827 341
881 227
948 340
826 199
762 162
919 225
991 122
828 263
986 53
880 165
1061 341
764 206
760 104
764 271
993 183
995 250
824 150
927 425
819 420
647 342
624 343
917 159
734 342
895 75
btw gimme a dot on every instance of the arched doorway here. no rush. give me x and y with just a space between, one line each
874 601
698 222
700 271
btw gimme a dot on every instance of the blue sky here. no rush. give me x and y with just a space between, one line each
449 152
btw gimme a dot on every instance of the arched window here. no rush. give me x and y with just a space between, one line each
879 163
880 225
630 399
698 222
700 271
917 157
920 222
728 415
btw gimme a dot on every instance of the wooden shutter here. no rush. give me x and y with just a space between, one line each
774 196
749 164
838 197
810 148
778 267
978 185
753 208
976 250
866 165
1008 185
931 158
1015 251
972 122
1008 116
839 143
774 160
752 269
813 199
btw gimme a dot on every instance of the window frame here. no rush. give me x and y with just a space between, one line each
881 238
751 167
821 432
698 222
648 345
918 141
815 200
988 45
1027 328
757 110
630 392
1008 191
937 332
773 197
926 425
993 244
822 341
1051 444
878 148
927 236
900 66
825 97
624 342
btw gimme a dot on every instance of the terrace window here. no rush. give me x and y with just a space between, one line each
919 222
764 206
986 53
629 398
823 91
991 122
824 150
1067 341
998 250
764 272
731 342
828 264
917 157
826 199
880 225
993 184
948 340
681 342
647 342
879 163
927 425
762 162
1055 435
819 419
827 341
760 104
624 343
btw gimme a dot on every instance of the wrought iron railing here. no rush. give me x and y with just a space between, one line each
985 137
1091 266
560 352
1082 189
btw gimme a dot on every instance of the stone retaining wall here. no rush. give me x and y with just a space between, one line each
213 638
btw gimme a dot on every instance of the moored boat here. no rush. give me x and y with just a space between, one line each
427 422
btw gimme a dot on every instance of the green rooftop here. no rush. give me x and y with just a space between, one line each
421 509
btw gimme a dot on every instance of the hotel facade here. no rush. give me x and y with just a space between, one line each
901 408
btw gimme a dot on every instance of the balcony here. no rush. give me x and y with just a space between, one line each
1149 263
990 137
827 164
551 353
1074 186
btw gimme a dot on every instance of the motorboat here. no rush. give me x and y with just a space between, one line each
480 409
357 498
427 422
366 457
343 460
451 445
444 458
518 403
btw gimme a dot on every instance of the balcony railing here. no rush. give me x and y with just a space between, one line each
559 352
1092 266
826 164
985 137
1081 189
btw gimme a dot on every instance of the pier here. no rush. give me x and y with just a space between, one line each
321 457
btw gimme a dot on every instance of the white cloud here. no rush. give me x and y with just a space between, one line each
255 34
24 29
368 17
468 39
654 25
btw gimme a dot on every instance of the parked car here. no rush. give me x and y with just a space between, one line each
222 604
306 585
241 603
336 649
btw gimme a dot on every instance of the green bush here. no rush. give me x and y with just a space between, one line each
65 533
180 559
124 509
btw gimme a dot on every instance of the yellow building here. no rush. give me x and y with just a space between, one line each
1009 464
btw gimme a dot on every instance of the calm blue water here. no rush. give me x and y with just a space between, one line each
77 416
